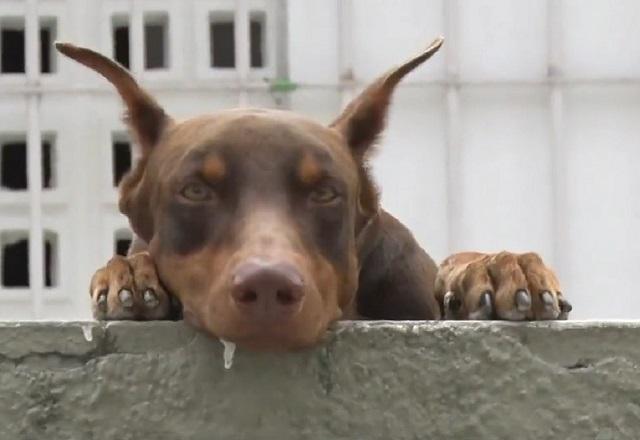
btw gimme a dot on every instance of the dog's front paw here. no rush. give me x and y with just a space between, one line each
128 288
507 286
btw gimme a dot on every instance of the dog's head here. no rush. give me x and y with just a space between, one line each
252 216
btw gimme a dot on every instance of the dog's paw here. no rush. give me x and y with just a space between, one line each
507 286
128 288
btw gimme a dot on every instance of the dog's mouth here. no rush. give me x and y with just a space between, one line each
298 327
267 337
291 333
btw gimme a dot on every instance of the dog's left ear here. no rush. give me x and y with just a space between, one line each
146 119
364 118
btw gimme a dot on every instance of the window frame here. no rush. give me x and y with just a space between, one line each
242 74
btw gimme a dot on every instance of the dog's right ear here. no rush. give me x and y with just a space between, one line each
362 121
146 119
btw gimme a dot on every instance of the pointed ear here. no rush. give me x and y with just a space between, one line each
365 117
144 116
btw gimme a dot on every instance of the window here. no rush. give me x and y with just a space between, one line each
15 258
48 33
122 241
12 46
13 165
156 53
120 25
121 157
222 40
48 163
257 38
50 259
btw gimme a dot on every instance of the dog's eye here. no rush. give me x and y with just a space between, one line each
197 192
324 195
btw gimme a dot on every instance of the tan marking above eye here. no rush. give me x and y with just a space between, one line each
309 171
214 169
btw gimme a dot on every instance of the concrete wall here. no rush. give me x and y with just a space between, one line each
370 380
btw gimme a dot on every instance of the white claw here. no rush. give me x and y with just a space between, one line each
126 297
485 309
102 298
451 305
447 298
523 300
547 299
150 298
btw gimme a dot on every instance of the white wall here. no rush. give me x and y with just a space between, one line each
522 134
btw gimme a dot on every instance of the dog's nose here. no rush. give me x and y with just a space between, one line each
267 290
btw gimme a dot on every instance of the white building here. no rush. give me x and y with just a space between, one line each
522 134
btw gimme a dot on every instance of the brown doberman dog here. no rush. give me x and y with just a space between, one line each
263 227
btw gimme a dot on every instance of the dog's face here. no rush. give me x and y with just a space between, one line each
253 224
252 216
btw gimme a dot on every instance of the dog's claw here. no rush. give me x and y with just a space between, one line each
485 307
101 299
485 303
451 302
547 299
523 300
565 306
126 298
150 298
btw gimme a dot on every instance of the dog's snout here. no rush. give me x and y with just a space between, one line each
267 290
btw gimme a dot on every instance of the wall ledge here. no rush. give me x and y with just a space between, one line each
374 380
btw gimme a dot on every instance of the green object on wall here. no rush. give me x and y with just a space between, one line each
282 85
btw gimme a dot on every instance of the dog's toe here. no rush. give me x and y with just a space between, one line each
470 294
155 302
544 286
512 299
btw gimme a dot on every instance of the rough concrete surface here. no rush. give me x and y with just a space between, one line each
162 380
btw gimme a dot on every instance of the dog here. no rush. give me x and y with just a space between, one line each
263 227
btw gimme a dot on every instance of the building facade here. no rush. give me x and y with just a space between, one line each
522 134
